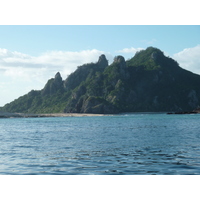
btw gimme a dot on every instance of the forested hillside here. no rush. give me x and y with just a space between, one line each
148 82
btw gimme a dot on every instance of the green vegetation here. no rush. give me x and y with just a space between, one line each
146 59
149 82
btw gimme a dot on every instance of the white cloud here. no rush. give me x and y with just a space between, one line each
16 64
189 59
20 73
130 50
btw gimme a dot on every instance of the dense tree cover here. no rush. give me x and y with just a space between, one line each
149 82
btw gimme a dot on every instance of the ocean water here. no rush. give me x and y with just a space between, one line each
129 144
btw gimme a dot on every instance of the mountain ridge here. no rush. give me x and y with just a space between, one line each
148 82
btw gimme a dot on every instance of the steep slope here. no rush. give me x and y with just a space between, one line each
149 82
159 84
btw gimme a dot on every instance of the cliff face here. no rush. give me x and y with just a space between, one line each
148 82
53 85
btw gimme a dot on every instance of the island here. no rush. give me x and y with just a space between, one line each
148 82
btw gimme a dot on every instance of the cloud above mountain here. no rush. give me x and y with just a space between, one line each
189 59
130 50
52 60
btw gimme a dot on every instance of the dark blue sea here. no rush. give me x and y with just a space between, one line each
128 144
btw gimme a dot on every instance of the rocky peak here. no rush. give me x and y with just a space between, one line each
102 62
58 77
53 85
120 61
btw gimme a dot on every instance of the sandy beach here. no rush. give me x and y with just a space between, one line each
24 115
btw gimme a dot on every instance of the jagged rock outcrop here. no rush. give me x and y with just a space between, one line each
83 72
149 82
53 85
102 62
120 60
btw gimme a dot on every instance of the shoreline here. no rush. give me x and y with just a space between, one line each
32 115
26 115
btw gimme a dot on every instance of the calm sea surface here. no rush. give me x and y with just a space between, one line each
120 144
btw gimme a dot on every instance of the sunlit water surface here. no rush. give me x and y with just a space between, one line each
120 144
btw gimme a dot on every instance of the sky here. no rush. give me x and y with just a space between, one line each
32 54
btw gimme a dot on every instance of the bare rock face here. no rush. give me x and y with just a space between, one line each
53 85
120 60
102 62
121 63
58 79
154 55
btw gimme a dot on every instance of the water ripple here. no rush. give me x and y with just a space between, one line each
113 145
